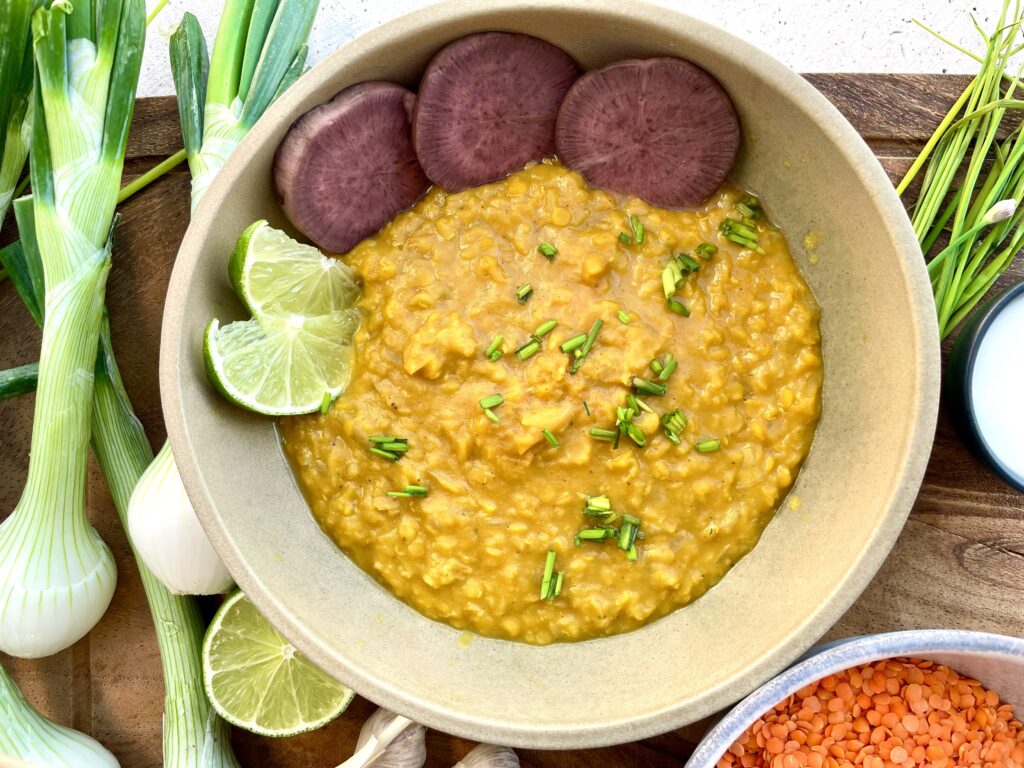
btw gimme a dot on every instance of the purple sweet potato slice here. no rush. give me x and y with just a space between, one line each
661 129
346 167
487 106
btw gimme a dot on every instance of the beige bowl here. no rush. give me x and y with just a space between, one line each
880 397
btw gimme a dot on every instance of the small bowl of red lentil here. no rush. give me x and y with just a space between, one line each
938 698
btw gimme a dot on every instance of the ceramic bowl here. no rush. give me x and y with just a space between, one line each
997 661
960 381
881 358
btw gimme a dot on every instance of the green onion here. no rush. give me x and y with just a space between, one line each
549 569
523 293
19 381
631 552
656 366
325 403
529 349
559 577
638 229
547 250
741 234
409 491
596 534
395 447
491 401
648 387
585 348
668 368
586 407
385 454
972 175
491 415
708 446
706 250
668 281
750 207
642 405
631 520
598 504
687 262
493 352
574 343
678 307
550 437
15 88
603 434
385 439
545 328
625 239
624 317
674 421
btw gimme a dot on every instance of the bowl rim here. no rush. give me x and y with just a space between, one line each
970 343
830 658
908 474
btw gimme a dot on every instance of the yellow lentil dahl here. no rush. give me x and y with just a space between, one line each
440 285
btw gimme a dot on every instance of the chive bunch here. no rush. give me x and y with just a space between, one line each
974 180
602 519
551 582
743 231
388 447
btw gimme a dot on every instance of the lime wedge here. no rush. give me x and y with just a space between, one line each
258 681
281 366
275 275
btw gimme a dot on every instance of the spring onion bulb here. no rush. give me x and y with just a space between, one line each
15 101
489 756
27 735
56 575
387 740
167 535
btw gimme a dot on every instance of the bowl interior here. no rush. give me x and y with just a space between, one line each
997 661
818 179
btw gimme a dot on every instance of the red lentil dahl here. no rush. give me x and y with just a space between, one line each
897 712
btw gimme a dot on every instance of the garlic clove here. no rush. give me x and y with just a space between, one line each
489 756
387 740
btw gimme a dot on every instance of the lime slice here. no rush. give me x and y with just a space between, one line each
258 681
275 275
281 366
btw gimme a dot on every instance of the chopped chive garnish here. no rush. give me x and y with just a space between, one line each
549 436
399 494
674 420
750 207
631 552
648 387
547 250
325 404
545 328
599 503
656 366
626 534
668 368
595 534
493 352
708 446
387 439
643 406
574 343
584 350
395 447
523 293
624 317
603 434
559 577
678 307
529 349
491 415
688 262
549 570
631 520
706 250
586 407
410 490
625 239
638 229
491 401
636 434
386 454
668 282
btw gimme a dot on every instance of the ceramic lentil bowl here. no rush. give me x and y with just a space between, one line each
856 487
996 661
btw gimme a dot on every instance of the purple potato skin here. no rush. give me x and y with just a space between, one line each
487 106
661 129
346 167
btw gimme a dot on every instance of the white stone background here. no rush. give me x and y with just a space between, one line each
808 35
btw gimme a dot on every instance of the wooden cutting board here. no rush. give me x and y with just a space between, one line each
959 562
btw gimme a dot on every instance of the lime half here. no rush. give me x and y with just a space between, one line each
275 275
281 366
258 681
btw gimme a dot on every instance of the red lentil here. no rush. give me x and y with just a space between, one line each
901 713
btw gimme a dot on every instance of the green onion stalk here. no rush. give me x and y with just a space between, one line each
15 95
973 181
57 576
31 737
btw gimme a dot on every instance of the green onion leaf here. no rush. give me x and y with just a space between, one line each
491 415
678 307
523 293
624 317
550 437
384 454
638 229
625 239
492 401
529 349
603 434
325 403
668 368
549 569
495 346
574 343
648 387
706 250
547 250
545 328
708 446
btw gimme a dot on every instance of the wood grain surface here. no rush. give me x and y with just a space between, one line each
959 562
